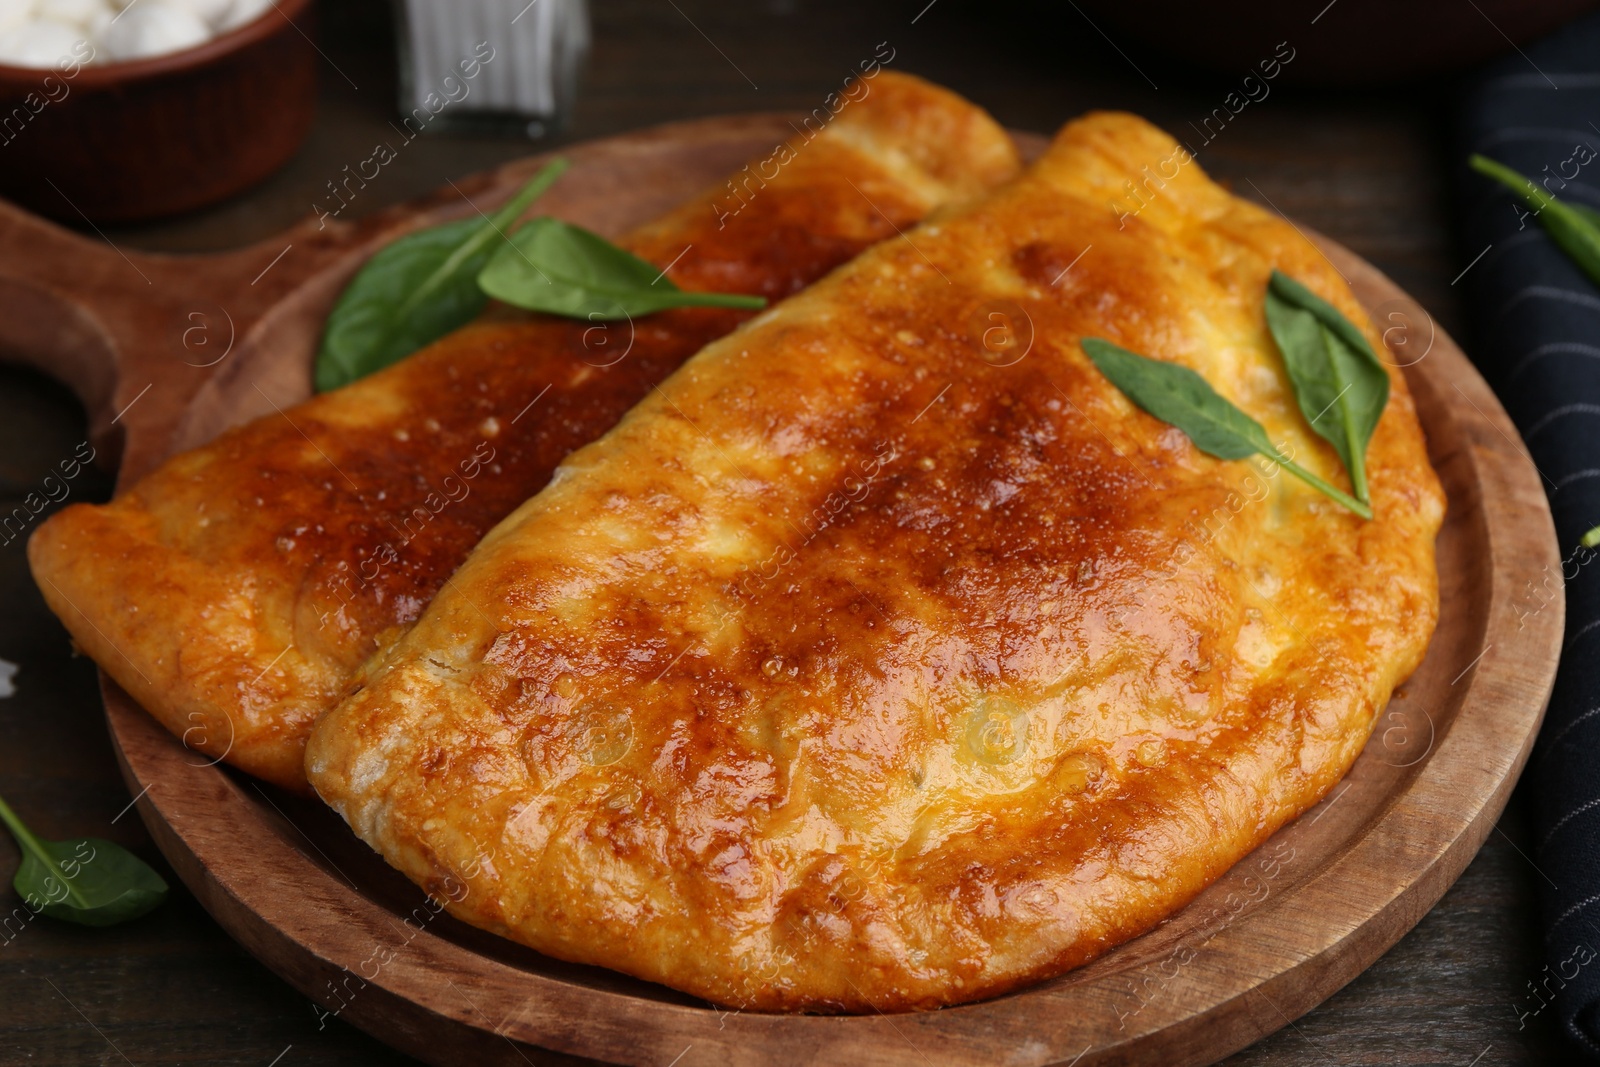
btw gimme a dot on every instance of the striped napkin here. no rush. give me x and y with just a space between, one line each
1536 337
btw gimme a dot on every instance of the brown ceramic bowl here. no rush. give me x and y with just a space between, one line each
120 142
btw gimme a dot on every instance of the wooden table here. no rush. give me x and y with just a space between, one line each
1371 170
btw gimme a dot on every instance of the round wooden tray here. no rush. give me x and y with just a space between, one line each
1279 933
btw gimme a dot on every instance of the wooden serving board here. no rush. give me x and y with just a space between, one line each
167 351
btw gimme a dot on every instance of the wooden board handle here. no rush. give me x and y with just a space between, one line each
135 335
45 271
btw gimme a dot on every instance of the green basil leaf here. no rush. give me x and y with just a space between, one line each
1178 396
86 880
1575 229
365 333
416 289
555 267
1338 381
1587 213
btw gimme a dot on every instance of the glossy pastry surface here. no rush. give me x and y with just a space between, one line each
886 656
235 589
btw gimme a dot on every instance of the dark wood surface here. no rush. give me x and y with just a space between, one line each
1370 169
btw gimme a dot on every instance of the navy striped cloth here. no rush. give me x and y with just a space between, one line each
1536 337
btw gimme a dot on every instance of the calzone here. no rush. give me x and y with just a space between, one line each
235 589
886 656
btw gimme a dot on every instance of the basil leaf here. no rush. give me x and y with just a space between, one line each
1178 396
555 267
1575 229
364 333
1588 213
1338 381
415 290
86 880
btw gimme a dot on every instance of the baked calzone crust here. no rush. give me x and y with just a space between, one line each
886 656
235 589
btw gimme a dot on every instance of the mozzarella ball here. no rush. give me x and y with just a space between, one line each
211 12
14 13
241 12
78 12
38 43
153 28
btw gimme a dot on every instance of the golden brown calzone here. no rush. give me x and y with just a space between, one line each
235 589
886 656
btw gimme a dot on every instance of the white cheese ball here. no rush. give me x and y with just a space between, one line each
211 12
97 25
78 12
38 43
14 12
153 28
241 12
